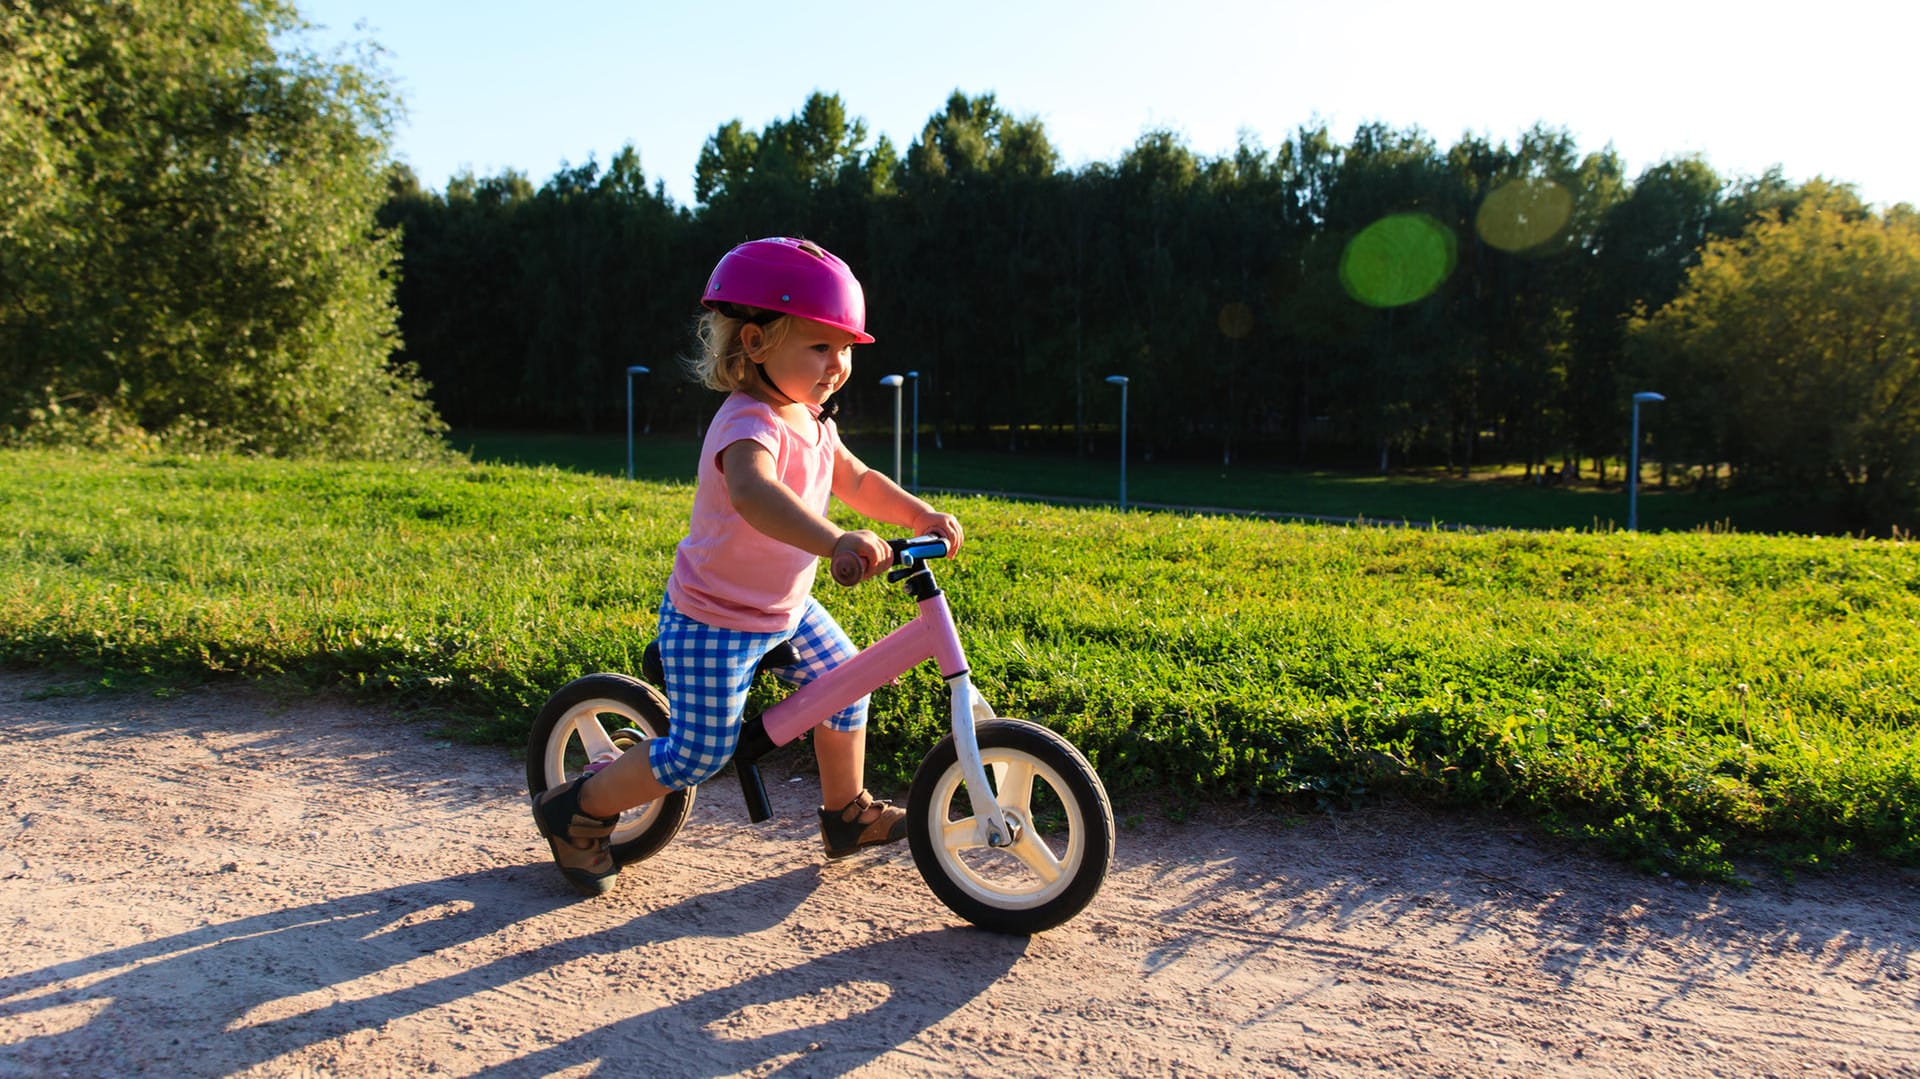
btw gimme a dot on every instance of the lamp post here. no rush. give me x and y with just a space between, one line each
636 369
1633 459
914 377
896 382
1121 381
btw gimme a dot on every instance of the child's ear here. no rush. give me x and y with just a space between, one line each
752 339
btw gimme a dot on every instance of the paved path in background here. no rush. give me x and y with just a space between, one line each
1208 511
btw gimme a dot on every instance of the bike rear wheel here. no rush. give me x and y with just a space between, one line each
1062 820
600 715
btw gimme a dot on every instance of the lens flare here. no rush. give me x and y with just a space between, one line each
1523 214
1397 260
1236 320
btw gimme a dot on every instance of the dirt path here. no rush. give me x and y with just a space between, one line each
223 884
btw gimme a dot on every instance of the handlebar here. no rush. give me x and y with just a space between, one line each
849 570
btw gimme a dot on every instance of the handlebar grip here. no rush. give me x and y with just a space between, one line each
849 568
918 548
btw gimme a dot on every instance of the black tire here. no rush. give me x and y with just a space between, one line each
621 712
1063 819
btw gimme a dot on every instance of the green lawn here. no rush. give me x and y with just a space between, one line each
1677 698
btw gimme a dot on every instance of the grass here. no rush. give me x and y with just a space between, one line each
1492 498
1679 699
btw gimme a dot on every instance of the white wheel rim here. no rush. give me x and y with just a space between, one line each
1038 867
582 733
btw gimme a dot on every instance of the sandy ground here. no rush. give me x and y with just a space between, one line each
226 884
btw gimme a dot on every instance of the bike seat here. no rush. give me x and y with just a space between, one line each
654 671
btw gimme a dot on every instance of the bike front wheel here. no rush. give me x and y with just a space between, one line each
1063 830
601 715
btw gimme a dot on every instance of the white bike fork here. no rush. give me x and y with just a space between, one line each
969 709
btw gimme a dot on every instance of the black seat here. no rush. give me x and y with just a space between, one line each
654 671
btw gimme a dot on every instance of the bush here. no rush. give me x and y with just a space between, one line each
187 238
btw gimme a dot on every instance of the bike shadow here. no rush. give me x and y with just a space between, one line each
828 1015
272 984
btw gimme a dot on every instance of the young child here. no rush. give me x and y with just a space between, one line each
782 318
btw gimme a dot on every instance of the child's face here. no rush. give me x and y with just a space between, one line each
809 363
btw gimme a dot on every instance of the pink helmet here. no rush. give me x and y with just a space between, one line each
793 277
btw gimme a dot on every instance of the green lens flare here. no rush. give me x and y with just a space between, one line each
1235 320
1523 214
1397 260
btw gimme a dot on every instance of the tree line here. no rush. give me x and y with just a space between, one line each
1384 301
204 240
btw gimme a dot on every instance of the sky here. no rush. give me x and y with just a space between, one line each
491 85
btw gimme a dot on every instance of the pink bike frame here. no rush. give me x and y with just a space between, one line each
929 635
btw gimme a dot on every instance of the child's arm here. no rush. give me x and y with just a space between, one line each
874 494
754 488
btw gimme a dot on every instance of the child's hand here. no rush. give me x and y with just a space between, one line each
859 555
944 525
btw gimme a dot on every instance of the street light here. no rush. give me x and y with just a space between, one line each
1633 459
896 382
914 377
1121 381
636 369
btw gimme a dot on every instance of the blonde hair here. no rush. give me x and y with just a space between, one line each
722 363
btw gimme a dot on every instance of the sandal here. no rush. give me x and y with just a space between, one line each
863 822
580 843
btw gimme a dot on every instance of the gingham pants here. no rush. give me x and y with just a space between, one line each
709 671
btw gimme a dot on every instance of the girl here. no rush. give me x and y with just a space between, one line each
782 318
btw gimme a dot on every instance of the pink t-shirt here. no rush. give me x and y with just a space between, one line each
727 573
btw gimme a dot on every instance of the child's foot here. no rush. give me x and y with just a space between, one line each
579 842
862 822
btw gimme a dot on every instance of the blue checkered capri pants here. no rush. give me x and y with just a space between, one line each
709 671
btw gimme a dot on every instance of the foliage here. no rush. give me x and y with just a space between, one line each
535 301
187 243
1014 286
1804 333
1680 699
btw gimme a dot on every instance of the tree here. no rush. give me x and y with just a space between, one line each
961 255
773 175
1803 333
1640 252
974 135
726 161
1404 370
187 238
1534 227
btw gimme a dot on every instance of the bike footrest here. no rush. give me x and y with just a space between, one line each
755 791
754 744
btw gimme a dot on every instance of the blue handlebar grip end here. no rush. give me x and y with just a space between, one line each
920 548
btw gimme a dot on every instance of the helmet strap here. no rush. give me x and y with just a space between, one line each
759 316
828 408
768 379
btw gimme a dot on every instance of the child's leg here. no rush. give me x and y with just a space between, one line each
840 741
626 783
850 818
843 763
709 673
